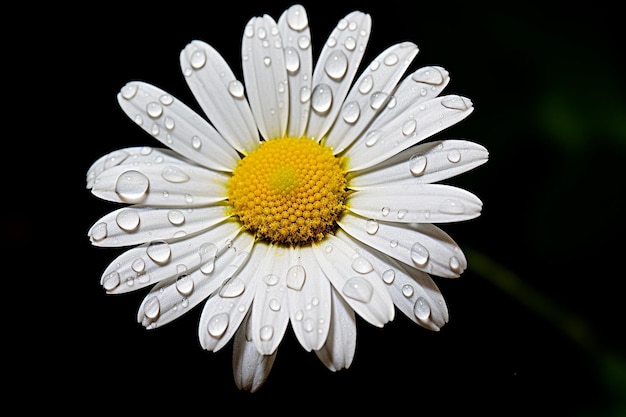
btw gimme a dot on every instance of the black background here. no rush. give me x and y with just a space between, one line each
536 322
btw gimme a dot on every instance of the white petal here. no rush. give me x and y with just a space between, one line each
413 125
422 246
158 260
355 279
414 203
250 368
220 94
424 163
335 69
178 295
370 94
265 76
135 225
176 126
173 184
308 295
224 311
422 85
338 351
144 155
413 291
296 35
270 312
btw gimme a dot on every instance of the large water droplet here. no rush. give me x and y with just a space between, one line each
152 308
372 138
336 65
236 89
428 75
127 220
154 109
176 217
358 289
391 59
138 265
455 103
454 156
159 251
207 252
184 285
377 100
198 59
455 264
174 174
408 290
371 226
389 276
366 84
297 18
296 276
419 254
351 112
266 332
129 91
132 186
362 265
421 308
292 60
233 288
218 324
274 304
417 164
409 127
99 231
322 98
111 281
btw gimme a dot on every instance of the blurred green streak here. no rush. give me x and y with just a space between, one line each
610 365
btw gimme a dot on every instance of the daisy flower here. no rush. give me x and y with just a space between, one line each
308 196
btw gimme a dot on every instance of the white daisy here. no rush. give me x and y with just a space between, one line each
306 199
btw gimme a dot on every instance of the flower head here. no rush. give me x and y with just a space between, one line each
307 197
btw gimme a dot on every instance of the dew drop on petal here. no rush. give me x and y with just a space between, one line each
336 65
377 100
351 112
455 103
421 308
407 290
296 275
99 231
184 285
322 98
236 89
455 264
366 84
274 304
417 164
152 308
371 226
305 94
292 60
385 211
428 75
350 43
154 109
129 91
304 42
132 186
409 127
419 254
451 206
176 217
207 252
174 174
389 276
127 220
266 332
111 281
454 156
198 59
297 18
159 251
362 265
166 99
196 142
358 289
372 138
138 265
271 279
218 324
233 288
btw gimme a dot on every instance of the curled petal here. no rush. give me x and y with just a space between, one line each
250 368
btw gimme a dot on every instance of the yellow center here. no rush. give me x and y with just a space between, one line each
288 191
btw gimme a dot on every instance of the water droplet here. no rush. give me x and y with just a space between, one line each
154 110
389 276
428 75
198 59
351 112
218 324
391 59
207 252
304 42
408 290
129 91
127 220
196 142
358 289
166 99
328 248
155 130
393 243
336 65
297 18
111 281
371 226
455 264
184 285
176 217
402 213
455 103
267 61
169 124
138 265
421 308
233 288
362 265
377 100
385 211
174 174
152 308
366 84
132 186
409 127
271 279
417 164
296 276
159 251
274 304
322 98
372 138
419 254
451 206
99 231
292 60
350 43
308 325
236 89
454 156
266 332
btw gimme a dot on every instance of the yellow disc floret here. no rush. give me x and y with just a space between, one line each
289 191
